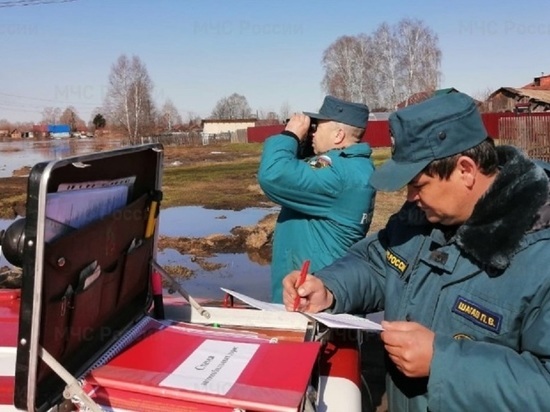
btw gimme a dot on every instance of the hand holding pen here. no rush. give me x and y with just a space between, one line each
301 280
316 297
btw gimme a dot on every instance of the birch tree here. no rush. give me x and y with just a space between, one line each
384 68
128 102
347 63
420 56
386 64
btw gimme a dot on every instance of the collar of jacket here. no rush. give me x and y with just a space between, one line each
516 202
355 150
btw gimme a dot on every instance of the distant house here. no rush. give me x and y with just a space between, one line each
425 95
509 99
40 130
55 131
15 134
533 97
59 131
539 83
217 126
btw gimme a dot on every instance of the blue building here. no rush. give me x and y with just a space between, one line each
59 131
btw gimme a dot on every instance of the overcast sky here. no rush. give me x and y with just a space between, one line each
198 51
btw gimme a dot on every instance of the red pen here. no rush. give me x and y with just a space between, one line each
301 280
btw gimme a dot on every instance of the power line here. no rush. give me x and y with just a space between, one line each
35 101
12 109
14 3
35 98
26 97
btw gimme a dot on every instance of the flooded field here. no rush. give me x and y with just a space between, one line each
15 154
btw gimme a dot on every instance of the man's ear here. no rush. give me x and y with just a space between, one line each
468 170
340 136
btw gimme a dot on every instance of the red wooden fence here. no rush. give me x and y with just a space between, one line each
258 134
530 132
377 133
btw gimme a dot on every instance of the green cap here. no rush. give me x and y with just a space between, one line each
338 110
439 127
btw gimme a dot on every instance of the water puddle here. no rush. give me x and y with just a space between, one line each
236 271
196 221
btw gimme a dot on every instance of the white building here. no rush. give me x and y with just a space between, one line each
217 126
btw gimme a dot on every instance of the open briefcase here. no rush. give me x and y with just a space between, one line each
88 257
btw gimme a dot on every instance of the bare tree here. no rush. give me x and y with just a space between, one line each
420 56
128 102
385 68
70 117
192 119
285 111
347 63
267 116
169 115
51 115
232 107
5 124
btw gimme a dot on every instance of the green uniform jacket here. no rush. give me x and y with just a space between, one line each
325 208
485 292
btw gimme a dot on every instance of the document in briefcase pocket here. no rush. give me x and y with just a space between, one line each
137 270
84 315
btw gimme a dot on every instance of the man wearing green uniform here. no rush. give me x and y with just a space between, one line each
462 271
326 199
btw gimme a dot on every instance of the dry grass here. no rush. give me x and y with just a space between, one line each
386 204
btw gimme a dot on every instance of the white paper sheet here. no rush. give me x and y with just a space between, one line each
7 361
339 321
213 367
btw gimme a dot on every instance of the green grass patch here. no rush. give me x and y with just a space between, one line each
231 185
